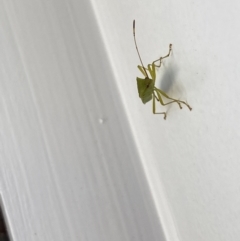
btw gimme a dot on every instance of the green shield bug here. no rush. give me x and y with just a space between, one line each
146 87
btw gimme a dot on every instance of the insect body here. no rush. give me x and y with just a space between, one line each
146 87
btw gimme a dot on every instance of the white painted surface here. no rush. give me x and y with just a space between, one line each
82 158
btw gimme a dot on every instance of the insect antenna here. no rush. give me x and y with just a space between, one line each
137 49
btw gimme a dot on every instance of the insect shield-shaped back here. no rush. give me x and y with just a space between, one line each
145 89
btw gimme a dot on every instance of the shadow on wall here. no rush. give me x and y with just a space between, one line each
169 82
168 79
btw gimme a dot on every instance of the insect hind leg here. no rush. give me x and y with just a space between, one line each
179 102
162 103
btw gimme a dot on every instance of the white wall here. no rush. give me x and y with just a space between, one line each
82 158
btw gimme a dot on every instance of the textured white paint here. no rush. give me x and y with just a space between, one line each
82 158
194 157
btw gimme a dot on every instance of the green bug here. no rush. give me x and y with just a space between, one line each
146 87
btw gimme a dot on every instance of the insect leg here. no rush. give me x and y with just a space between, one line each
161 58
179 102
154 108
155 96
161 100
143 70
